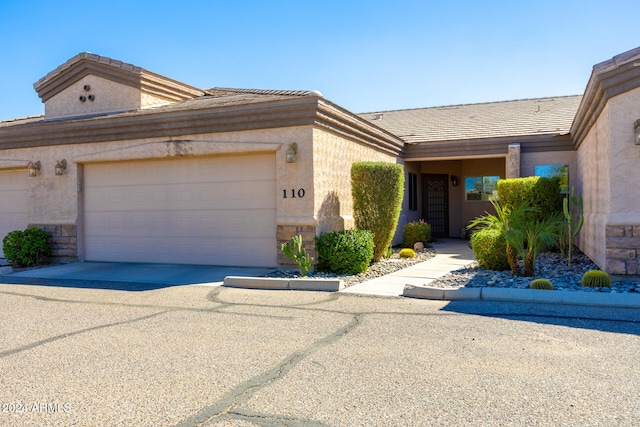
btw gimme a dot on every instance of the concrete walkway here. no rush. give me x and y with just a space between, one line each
452 254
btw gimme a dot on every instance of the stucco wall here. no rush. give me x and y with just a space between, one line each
109 96
333 156
624 157
56 200
593 183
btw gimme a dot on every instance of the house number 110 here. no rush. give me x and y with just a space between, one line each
299 193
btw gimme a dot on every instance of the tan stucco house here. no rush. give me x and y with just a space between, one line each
153 170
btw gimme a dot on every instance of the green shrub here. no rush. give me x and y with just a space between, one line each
407 253
297 253
345 252
490 249
596 279
418 231
541 284
26 248
541 194
377 189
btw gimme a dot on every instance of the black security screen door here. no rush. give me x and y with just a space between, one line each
435 203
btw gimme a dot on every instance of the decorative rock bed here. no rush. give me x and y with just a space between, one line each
551 266
377 269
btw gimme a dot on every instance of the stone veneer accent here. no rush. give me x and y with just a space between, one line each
286 232
623 249
63 241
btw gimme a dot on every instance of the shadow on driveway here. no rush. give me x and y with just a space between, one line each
618 320
127 276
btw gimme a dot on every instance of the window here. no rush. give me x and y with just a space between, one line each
550 171
413 192
478 188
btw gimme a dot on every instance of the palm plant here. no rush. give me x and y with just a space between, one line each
527 237
502 222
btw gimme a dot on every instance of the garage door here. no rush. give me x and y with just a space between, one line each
13 202
214 211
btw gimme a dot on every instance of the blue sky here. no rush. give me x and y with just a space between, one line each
363 55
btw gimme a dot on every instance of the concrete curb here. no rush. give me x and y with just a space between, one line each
524 295
322 285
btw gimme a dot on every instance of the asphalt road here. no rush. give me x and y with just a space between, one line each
212 356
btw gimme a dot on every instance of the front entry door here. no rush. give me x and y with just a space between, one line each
435 203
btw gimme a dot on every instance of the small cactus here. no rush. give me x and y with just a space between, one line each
541 284
407 253
596 279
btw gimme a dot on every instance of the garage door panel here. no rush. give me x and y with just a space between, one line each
203 211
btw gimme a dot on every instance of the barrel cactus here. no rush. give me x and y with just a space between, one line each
596 279
407 253
541 284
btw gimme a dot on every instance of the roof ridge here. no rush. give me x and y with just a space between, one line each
267 91
470 104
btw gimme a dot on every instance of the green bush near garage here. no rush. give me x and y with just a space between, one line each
345 252
26 247
377 189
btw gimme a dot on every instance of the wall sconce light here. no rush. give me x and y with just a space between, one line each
33 168
61 165
291 152
636 127
454 180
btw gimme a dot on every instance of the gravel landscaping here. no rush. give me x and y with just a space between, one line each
551 266
377 269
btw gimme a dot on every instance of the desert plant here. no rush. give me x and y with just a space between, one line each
377 189
417 231
27 247
489 247
298 254
407 253
596 279
572 228
345 252
541 284
388 253
529 236
501 223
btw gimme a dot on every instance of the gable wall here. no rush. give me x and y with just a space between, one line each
109 96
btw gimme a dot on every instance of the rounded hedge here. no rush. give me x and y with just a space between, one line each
490 249
345 252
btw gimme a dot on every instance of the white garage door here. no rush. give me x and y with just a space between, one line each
214 211
13 202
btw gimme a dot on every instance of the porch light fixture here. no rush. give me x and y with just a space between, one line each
454 180
636 127
291 152
33 168
61 165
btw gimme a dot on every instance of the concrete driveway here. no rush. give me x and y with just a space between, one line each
215 356
128 276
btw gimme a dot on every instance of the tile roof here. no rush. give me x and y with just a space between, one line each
215 97
525 117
